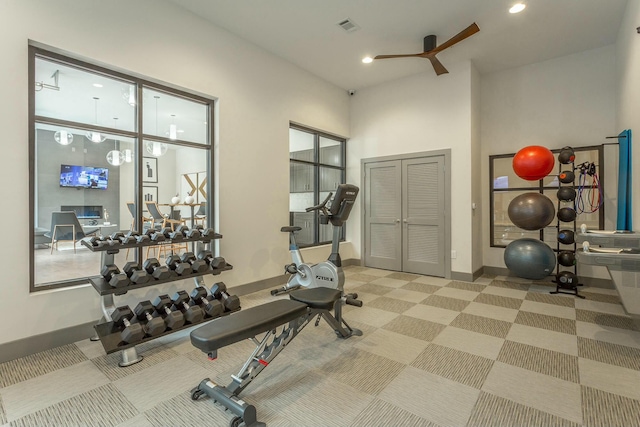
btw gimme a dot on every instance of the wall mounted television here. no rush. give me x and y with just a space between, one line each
84 177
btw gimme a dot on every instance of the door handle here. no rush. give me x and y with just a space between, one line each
405 220
397 220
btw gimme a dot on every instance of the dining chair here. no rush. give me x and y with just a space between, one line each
65 226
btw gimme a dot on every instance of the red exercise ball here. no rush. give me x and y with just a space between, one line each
533 162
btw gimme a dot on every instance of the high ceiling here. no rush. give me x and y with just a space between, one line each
305 32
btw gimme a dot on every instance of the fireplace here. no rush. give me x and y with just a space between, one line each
84 212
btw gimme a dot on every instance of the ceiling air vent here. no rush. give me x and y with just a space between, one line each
348 25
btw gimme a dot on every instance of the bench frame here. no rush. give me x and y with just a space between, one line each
267 348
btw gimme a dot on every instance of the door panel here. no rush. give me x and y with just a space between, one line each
383 209
423 223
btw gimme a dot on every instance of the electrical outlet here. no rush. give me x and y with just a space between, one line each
454 254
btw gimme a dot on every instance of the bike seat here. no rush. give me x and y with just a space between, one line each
290 229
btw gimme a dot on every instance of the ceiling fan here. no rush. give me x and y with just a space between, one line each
430 48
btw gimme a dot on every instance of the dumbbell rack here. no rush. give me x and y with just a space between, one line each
107 331
560 288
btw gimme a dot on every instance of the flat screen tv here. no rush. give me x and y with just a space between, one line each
84 177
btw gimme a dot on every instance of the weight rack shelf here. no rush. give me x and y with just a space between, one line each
103 287
114 248
109 333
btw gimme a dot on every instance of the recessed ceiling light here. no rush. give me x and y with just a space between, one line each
367 60
516 8
97 85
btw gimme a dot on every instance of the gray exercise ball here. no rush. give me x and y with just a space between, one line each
531 211
529 258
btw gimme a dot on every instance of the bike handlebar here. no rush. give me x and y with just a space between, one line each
321 205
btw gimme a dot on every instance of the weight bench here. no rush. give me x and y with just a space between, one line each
292 314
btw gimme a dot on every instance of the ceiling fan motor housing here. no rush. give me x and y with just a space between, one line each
429 43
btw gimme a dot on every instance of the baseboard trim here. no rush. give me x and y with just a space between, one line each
462 277
38 343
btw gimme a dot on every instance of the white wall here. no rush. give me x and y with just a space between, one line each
628 90
258 95
564 101
477 186
415 114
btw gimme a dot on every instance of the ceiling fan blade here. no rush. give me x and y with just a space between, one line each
409 55
437 65
467 32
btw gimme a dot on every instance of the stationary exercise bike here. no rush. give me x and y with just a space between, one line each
327 274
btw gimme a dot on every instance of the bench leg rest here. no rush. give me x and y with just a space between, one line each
229 400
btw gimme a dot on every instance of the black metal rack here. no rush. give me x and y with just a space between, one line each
109 333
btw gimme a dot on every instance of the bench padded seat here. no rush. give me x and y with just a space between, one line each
317 298
245 324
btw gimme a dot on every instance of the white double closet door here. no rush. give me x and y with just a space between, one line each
405 215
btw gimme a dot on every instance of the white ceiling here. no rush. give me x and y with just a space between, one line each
305 32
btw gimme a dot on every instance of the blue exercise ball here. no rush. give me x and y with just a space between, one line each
529 258
531 211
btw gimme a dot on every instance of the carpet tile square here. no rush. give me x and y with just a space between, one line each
495 411
457 293
387 344
600 408
548 309
406 295
407 277
620 322
17 370
601 307
415 328
499 301
543 392
466 286
391 283
612 379
446 302
612 354
390 304
551 340
543 321
459 366
564 301
432 314
541 360
421 287
432 397
373 289
483 325
381 413
491 311
608 334
510 285
471 342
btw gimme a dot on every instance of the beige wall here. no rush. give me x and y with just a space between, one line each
258 95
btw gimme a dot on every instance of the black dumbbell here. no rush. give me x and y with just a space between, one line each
143 239
171 234
205 255
135 273
129 238
230 302
132 332
173 319
157 237
153 325
108 241
192 313
157 271
182 229
117 235
193 234
197 265
218 263
212 307
179 267
112 275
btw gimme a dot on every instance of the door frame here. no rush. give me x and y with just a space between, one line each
446 153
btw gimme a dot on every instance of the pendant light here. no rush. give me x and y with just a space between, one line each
96 137
63 137
130 95
173 129
115 157
156 149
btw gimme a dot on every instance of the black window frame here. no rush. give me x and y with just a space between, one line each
316 164
36 50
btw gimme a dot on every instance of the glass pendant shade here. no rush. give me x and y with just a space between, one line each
173 132
115 157
96 137
156 149
63 137
130 96
127 156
